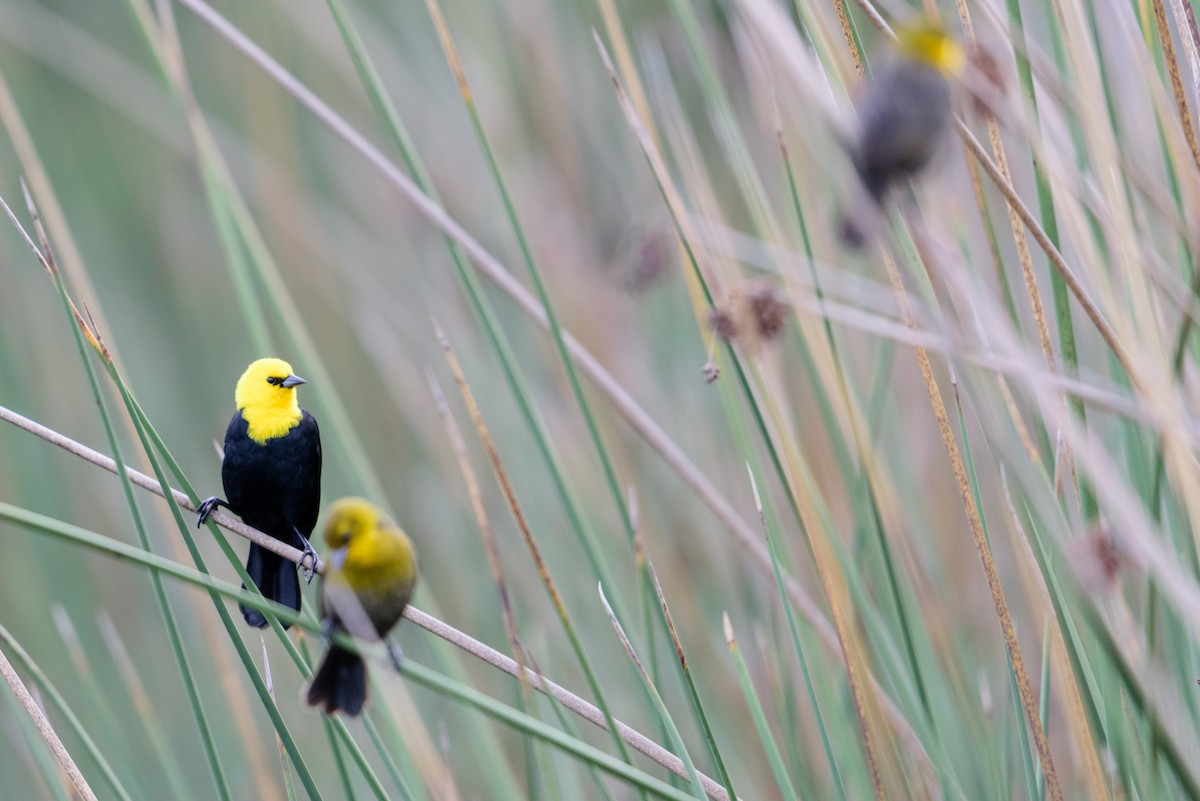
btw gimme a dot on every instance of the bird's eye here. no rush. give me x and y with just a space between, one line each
274 380
345 537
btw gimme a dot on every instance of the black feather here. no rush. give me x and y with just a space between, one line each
275 486
340 683
902 120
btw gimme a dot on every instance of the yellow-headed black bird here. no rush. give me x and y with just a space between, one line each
272 476
903 117
370 572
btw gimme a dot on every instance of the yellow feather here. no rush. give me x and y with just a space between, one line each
928 43
378 556
270 410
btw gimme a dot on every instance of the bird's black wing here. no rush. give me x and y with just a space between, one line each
239 489
308 490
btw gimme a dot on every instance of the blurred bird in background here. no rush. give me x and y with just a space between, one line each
370 572
903 117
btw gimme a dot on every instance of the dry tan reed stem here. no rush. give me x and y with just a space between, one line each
45 729
1180 94
1074 284
844 20
459 446
1024 689
1064 677
151 484
580 707
1018 232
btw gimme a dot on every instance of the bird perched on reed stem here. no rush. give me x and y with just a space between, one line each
272 477
903 117
370 572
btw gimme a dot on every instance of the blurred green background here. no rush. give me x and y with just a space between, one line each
833 419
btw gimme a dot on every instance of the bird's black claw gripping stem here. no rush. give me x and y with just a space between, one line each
308 558
207 507
326 632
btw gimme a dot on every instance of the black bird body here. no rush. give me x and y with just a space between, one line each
274 486
272 477
902 120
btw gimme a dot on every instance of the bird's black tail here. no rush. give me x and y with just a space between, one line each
276 579
860 221
876 182
340 683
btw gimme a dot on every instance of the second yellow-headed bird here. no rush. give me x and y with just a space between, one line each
272 476
904 115
370 572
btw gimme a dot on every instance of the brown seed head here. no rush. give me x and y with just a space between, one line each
722 320
1098 559
767 309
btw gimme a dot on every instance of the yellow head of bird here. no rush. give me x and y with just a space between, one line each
266 396
365 547
928 43
350 519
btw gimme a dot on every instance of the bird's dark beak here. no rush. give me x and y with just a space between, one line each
292 381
